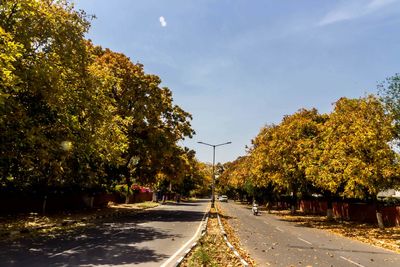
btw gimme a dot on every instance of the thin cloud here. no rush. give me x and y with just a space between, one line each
354 9
163 22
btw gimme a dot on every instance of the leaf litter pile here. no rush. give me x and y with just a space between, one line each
388 238
212 249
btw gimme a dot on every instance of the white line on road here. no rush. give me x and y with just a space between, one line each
355 263
279 229
117 233
305 241
63 252
184 246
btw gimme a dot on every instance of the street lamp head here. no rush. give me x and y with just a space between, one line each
213 171
214 145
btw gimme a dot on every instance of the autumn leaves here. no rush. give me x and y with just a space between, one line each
75 115
346 153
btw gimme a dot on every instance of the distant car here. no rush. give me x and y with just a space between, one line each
223 198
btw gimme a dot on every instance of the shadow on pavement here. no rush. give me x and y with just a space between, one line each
167 216
109 242
94 246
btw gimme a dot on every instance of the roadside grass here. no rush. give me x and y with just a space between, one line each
388 238
211 249
31 224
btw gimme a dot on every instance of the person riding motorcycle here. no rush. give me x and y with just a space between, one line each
254 209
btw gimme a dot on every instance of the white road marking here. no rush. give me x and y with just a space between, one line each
279 229
117 233
355 263
63 252
184 246
305 241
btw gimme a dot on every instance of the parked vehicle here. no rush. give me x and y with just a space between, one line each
223 198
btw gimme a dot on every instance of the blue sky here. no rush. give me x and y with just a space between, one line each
237 65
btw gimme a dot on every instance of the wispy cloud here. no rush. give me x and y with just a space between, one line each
354 9
163 22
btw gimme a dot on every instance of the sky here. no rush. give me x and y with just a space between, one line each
238 65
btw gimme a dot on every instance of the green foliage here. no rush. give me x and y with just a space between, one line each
389 92
201 256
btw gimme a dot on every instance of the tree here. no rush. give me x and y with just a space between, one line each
389 92
354 158
45 59
74 114
151 122
288 147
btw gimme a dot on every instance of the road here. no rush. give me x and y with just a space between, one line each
154 237
273 242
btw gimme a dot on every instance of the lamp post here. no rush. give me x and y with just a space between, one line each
213 170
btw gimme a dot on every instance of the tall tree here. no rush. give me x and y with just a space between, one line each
354 158
288 147
151 122
38 111
389 91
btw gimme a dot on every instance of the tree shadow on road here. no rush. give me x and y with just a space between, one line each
101 245
111 241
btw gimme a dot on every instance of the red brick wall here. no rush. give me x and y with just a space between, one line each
141 197
313 206
391 216
361 212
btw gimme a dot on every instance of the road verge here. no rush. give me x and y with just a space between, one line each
212 248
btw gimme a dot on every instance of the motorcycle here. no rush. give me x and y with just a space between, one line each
254 209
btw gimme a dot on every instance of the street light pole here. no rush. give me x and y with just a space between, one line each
213 170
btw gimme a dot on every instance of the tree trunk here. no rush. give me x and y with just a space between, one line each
379 215
293 202
44 205
329 209
91 202
128 185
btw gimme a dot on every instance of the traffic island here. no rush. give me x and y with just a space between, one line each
212 248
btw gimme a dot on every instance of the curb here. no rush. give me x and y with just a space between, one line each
203 232
244 263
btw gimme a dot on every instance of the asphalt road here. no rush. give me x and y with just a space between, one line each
154 237
273 242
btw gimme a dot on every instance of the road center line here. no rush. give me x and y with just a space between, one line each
305 241
279 229
355 263
185 245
